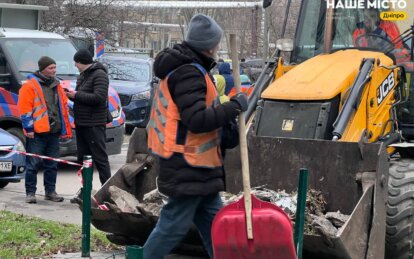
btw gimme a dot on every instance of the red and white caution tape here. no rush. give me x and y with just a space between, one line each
44 157
86 164
79 172
101 206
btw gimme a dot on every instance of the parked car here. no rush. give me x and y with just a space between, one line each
246 86
20 49
12 165
132 79
252 68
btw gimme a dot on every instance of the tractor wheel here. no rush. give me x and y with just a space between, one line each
400 210
18 132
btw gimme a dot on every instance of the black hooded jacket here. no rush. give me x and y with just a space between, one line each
188 89
90 104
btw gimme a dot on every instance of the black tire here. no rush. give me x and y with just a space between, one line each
18 132
400 210
3 184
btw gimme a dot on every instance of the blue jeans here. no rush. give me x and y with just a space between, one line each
176 218
47 145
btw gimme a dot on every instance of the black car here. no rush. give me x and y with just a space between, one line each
252 68
132 79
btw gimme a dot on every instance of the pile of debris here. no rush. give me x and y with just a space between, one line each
126 202
317 220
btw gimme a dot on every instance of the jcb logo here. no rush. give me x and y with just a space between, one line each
385 88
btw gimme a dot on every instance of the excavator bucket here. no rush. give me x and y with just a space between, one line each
352 178
137 177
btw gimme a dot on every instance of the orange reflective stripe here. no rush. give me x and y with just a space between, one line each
33 109
38 108
40 116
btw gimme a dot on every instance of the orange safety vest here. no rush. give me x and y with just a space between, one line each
199 150
388 30
245 89
33 108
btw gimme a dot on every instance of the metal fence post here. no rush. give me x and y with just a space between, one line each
86 205
134 252
300 211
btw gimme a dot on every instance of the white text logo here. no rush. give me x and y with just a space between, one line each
367 4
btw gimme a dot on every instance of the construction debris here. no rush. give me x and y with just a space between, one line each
323 226
317 220
125 201
338 219
153 202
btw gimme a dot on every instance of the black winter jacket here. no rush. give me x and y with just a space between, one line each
90 104
188 89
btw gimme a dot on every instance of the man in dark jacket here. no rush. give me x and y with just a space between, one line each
90 110
225 71
184 132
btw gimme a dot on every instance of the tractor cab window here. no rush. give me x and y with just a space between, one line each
385 36
311 29
352 28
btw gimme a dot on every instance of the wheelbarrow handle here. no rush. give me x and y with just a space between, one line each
243 141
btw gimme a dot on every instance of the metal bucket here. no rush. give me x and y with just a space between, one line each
352 178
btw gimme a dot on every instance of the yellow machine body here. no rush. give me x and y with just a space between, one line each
329 75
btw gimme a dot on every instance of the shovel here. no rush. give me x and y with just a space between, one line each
250 228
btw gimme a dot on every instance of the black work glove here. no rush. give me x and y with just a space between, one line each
241 99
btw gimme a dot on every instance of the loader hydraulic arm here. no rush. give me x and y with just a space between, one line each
352 101
262 82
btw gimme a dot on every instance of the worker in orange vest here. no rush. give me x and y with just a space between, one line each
184 132
367 31
44 111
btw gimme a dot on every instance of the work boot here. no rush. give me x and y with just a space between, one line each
30 198
53 196
77 199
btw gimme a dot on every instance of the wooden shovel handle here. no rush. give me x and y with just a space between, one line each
243 141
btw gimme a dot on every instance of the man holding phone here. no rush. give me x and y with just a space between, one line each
90 107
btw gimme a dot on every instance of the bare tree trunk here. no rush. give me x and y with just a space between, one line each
253 45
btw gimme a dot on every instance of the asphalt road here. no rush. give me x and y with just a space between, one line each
12 198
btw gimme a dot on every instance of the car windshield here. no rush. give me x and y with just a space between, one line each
26 52
128 70
352 28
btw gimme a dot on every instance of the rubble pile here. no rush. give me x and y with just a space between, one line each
153 202
317 220
125 202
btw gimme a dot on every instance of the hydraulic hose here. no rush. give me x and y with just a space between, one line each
352 102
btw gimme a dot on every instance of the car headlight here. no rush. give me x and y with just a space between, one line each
116 113
20 147
141 96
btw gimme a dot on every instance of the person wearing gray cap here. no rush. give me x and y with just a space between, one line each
184 132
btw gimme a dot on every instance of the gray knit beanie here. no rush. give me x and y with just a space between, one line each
203 32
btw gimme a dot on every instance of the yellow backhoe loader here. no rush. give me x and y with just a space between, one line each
341 106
